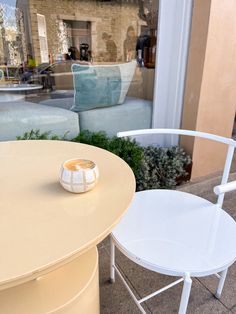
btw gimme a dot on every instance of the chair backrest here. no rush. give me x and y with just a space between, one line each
227 141
1 75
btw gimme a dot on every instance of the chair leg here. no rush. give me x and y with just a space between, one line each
185 294
221 283
112 261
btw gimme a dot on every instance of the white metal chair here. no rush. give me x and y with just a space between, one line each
177 233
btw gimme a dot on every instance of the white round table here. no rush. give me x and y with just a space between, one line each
48 236
14 92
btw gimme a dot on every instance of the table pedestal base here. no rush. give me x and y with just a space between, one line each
70 289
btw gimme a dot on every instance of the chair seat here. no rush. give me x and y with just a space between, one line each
173 232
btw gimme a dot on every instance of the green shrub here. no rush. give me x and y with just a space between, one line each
161 167
153 167
99 139
37 135
126 149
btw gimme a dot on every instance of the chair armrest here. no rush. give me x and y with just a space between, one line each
227 187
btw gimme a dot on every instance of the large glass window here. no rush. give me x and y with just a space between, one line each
40 41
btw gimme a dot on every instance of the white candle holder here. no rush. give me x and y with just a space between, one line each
78 175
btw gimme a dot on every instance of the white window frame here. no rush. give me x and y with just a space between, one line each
174 25
42 32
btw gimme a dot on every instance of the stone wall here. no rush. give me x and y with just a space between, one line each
112 18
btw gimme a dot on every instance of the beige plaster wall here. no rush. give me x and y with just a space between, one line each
197 49
210 95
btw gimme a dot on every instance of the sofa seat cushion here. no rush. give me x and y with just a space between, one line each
20 117
59 93
63 103
133 114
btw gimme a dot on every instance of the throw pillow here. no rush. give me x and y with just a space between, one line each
101 85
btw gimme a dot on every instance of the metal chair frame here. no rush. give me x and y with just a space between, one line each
219 190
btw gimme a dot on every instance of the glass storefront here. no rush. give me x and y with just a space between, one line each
40 41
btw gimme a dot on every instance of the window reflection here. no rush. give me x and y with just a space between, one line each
40 41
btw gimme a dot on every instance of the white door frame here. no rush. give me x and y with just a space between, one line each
174 25
42 32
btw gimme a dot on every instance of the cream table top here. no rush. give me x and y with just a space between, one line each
42 226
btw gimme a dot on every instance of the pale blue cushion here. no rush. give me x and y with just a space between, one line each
101 85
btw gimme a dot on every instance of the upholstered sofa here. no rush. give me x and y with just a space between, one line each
133 114
57 115
19 117
100 99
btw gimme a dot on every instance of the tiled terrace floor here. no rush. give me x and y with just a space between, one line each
116 300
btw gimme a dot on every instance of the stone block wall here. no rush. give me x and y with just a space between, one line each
113 18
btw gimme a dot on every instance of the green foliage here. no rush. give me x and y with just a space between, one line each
153 167
34 135
129 151
99 139
161 167
37 135
126 149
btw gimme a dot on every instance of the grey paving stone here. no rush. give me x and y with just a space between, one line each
230 204
204 187
228 297
104 243
114 298
145 282
209 307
